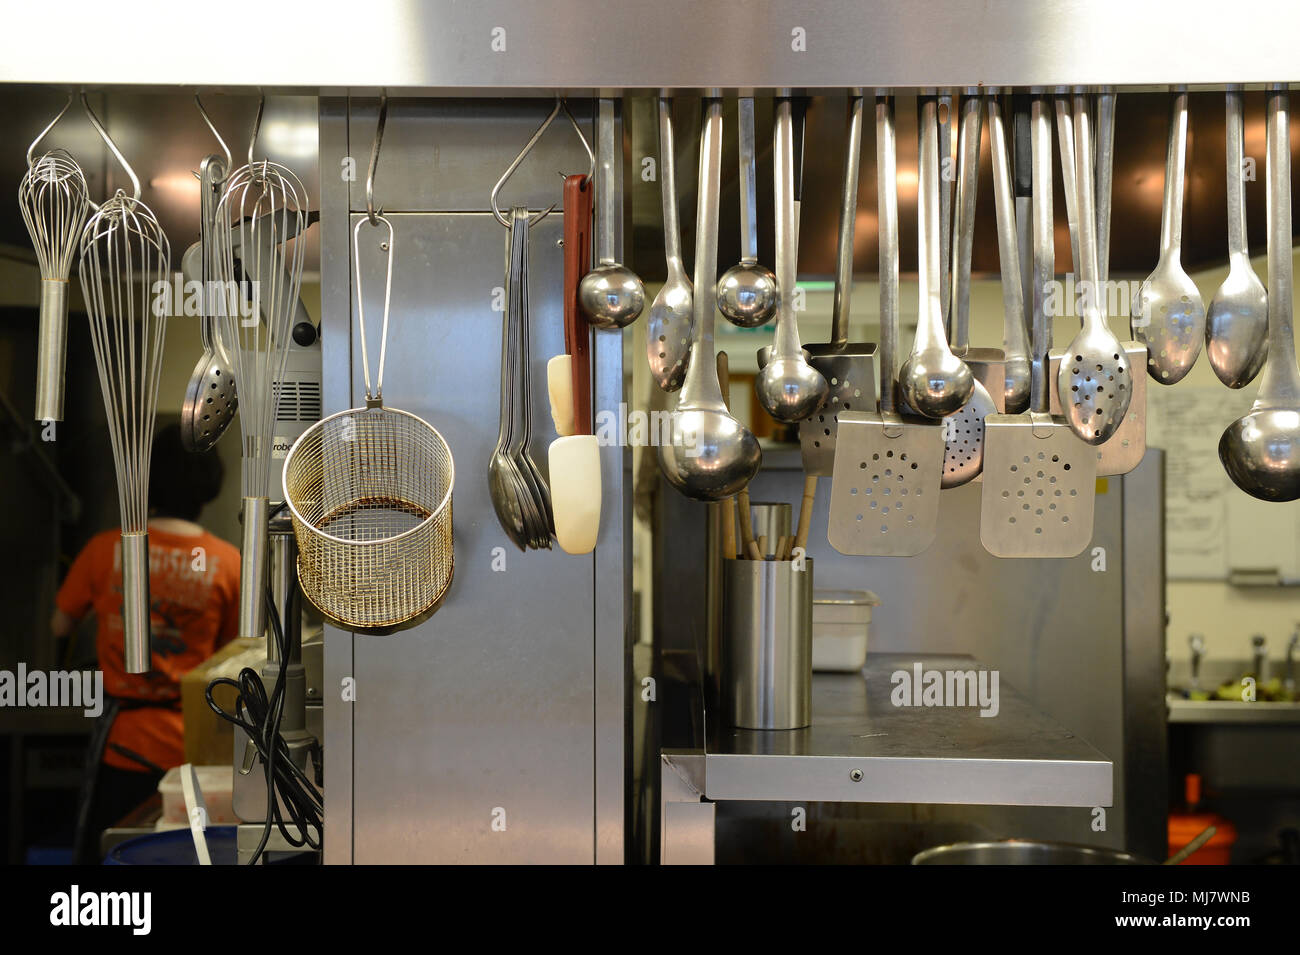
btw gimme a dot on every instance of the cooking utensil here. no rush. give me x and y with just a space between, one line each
370 496
574 460
1015 369
1095 381
934 382
885 484
263 204
568 376
1039 478
1236 326
1024 852
788 387
963 457
711 455
123 252
1261 450
946 117
611 295
846 367
668 329
1125 448
54 202
210 397
747 292
1169 316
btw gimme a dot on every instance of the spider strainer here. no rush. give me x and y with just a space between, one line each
1039 478
885 483
369 491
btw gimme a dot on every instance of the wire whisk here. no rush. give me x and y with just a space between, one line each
55 202
263 209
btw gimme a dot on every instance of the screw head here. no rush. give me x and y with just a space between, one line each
855 775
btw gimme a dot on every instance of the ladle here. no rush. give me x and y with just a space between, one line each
668 329
1261 451
711 455
747 292
610 295
788 387
933 380
1236 326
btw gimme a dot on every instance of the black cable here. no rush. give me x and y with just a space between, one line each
259 716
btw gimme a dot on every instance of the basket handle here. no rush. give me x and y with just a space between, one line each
374 399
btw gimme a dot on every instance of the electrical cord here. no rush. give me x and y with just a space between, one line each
259 716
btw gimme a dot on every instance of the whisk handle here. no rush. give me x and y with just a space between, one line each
52 349
135 602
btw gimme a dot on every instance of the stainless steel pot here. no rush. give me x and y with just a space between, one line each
1022 852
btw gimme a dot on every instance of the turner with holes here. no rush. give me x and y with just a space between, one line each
885 483
1039 478
846 367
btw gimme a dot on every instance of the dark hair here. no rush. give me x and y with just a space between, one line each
180 481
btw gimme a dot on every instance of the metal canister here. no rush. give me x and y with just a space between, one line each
767 643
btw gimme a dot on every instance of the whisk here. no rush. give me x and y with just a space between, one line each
263 207
123 255
55 202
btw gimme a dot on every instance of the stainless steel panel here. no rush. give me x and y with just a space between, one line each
444 44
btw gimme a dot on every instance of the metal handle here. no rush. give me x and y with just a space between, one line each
1171 218
376 398
748 183
1233 123
963 233
945 200
212 172
1013 299
607 196
1069 176
1280 384
1104 177
254 569
1091 292
848 220
52 349
701 387
135 603
929 320
668 186
786 343
1040 132
887 203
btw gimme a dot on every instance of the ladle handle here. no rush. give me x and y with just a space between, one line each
787 246
848 221
748 183
668 186
1171 217
1004 202
1280 384
607 194
944 124
887 204
1040 133
930 312
1105 177
1233 122
701 388
963 233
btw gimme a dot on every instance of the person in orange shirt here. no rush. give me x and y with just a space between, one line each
194 597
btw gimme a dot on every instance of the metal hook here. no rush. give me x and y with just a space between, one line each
112 147
560 103
208 119
257 125
374 161
36 141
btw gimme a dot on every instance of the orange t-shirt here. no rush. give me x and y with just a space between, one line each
193 614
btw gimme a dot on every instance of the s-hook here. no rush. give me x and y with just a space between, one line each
371 213
560 103
112 147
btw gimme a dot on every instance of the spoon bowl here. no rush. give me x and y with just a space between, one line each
668 332
747 295
1261 453
1236 326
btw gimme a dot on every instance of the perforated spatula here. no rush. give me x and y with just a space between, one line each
885 484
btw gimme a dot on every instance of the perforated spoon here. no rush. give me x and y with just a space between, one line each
1094 382
933 380
1261 451
668 329
1169 316
747 292
1236 326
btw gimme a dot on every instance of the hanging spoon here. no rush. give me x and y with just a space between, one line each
610 295
1169 316
747 292
1261 451
668 329
1236 327
1015 347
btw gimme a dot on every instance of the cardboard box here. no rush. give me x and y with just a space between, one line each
209 740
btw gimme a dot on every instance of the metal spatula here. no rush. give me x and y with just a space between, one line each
1039 478
848 368
885 483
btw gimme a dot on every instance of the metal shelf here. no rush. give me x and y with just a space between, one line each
1228 711
951 755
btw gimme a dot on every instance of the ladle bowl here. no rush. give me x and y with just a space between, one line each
790 389
611 296
1261 453
711 455
747 295
935 382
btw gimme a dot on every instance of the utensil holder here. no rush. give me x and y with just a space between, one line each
767 643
